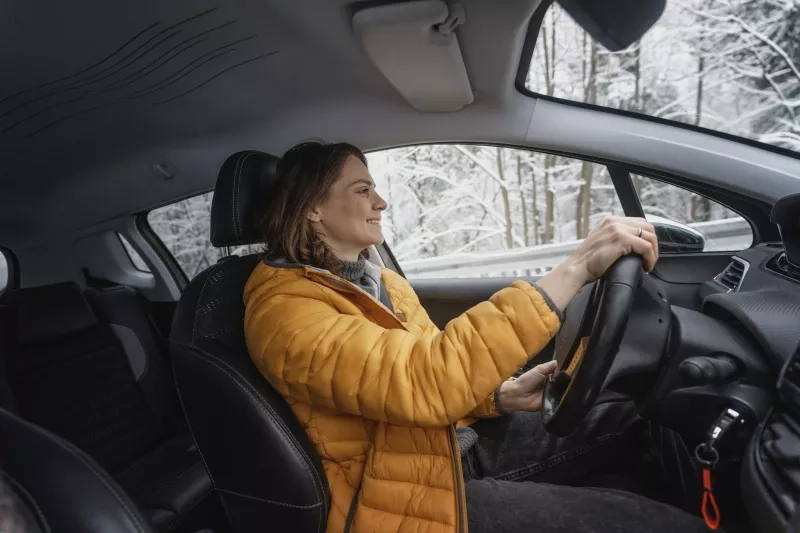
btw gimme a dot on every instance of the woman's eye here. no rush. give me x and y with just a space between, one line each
364 192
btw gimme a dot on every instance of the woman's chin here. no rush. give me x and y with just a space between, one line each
376 237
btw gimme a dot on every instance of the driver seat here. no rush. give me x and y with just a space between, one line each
262 465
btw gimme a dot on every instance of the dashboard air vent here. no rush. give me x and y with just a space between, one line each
731 278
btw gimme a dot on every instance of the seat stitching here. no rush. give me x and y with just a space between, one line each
237 187
238 190
266 409
29 500
200 299
101 476
239 164
171 483
191 431
263 407
283 504
185 514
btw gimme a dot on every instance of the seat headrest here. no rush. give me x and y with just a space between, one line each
240 194
50 311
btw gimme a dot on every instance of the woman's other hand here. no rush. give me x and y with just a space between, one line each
525 392
615 237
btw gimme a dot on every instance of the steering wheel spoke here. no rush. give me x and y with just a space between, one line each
587 343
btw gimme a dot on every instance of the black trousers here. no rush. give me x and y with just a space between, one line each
617 473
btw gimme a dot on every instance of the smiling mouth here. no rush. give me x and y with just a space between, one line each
375 221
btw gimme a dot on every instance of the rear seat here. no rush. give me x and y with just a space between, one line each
90 368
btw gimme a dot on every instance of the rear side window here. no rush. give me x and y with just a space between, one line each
185 229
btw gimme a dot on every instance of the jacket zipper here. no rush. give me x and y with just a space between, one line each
461 524
336 283
351 514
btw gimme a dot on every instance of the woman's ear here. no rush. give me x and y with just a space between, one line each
314 215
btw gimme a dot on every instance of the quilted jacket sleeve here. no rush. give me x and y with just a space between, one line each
313 353
486 409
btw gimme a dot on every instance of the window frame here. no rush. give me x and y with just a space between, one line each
130 251
526 56
160 249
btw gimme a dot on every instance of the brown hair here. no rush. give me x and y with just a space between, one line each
305 175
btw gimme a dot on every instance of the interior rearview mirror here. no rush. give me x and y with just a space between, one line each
674 237
616 24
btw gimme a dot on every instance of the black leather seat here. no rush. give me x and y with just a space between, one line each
56 487
261 462
95 376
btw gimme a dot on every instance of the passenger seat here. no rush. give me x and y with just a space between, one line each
90 368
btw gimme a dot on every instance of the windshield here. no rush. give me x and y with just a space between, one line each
731 66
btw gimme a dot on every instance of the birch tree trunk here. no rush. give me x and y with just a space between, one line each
587 169
523 207
504 195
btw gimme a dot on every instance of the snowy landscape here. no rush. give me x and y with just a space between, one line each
729 66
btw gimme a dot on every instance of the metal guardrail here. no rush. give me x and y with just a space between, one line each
720 235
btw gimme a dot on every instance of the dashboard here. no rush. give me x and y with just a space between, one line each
759 293
756 291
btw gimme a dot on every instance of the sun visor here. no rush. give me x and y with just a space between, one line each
414 45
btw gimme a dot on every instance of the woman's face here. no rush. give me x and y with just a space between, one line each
350 217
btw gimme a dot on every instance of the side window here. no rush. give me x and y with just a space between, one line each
470 211
185 229
3 271
686 222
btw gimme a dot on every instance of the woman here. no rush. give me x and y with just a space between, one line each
380 390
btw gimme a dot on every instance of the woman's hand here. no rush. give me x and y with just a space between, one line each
525 392
613 238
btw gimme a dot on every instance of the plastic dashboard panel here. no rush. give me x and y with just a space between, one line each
771 469
767 305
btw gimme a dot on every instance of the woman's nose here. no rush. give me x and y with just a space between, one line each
380 203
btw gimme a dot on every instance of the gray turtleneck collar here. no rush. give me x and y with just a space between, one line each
364 274
353 270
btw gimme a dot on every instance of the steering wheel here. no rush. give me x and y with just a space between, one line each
587 344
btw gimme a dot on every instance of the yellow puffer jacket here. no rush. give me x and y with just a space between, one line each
380 393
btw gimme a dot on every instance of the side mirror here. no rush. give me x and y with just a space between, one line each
674 237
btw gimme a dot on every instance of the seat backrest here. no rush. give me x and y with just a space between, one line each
70 374
61 488
124 310
259 457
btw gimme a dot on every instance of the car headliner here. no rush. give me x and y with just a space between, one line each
85 154
80 156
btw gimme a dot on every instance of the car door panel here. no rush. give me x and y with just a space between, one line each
445 299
